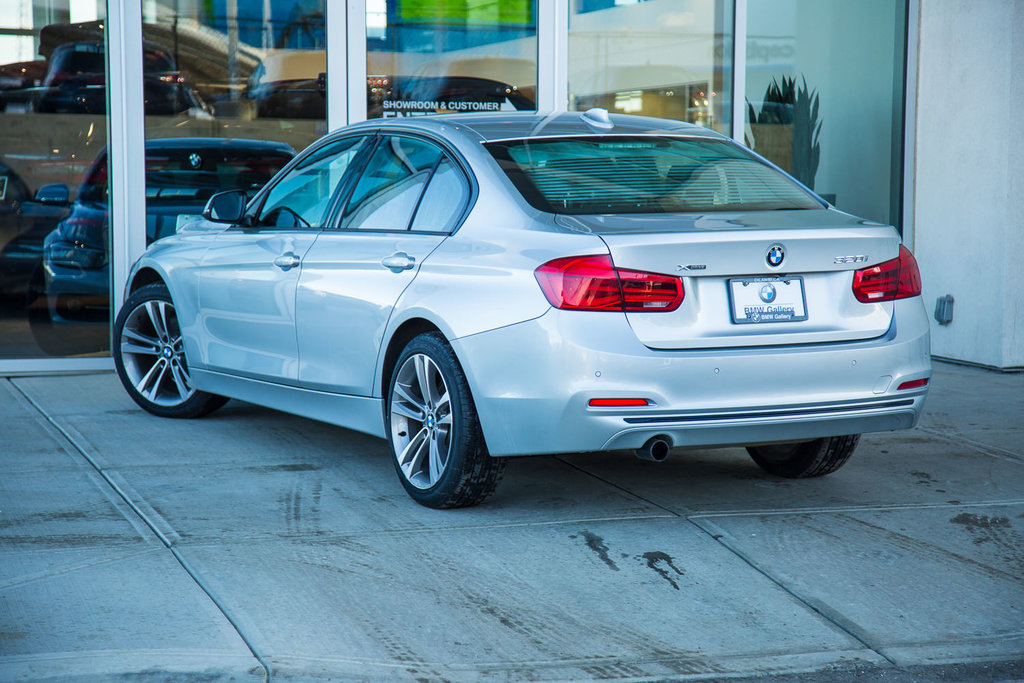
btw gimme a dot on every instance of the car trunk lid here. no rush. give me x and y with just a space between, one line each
752 279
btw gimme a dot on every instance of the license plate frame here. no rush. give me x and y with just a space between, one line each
747 306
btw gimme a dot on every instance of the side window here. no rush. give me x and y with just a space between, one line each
302 198
391 185
444 200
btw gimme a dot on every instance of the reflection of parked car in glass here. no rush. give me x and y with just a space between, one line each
181 175
18 81
24 221
75 83
289 84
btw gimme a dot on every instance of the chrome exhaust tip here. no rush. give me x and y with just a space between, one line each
656 449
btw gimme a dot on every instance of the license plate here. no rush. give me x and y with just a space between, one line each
767 300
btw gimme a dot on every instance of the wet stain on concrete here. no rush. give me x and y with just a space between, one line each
997 531
598 546
972 521
661 563
923 478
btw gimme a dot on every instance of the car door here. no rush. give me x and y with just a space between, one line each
249 274
409 197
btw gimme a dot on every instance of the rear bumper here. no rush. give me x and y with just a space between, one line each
532 383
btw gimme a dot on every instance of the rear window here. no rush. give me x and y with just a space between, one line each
644 174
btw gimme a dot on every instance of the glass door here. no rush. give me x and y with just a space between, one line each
458 56
54 239
824 90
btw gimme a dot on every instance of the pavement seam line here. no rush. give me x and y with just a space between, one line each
720 536
576 467
769 512
182 562
981 447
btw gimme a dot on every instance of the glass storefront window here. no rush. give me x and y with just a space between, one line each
54 247
232 90
428 56
824 89
665 58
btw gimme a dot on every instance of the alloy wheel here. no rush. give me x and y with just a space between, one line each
153 354
421 421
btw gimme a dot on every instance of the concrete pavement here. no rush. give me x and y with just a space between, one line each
253 542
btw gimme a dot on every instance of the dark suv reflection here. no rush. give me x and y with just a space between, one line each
75 83
181 175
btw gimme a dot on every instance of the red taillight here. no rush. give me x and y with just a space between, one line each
618 402
897 278
913 384
592 283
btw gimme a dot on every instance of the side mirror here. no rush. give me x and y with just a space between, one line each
226 207
53 194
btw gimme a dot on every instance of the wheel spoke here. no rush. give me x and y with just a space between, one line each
413 412
183 369
159 381
436 466
425 377
154 309
443 406
411 458
180 380
139 338
149 383
128 347
407 396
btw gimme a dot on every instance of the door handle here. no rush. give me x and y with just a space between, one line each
286 261
399 262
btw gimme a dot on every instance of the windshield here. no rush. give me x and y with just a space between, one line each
645 174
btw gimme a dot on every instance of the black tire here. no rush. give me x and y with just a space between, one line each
151 361
436 442
806 459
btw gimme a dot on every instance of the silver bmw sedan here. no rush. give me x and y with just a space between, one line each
473 287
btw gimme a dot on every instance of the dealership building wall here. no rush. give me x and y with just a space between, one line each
968 176
915 106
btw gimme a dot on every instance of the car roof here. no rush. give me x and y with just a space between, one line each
218 143
516 125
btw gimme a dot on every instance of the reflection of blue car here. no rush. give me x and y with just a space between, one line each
181 175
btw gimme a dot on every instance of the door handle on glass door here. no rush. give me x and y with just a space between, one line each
286 261
399 262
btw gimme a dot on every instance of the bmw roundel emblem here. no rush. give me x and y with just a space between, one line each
775 256
194 160
767 293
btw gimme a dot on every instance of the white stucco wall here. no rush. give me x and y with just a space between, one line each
969 176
